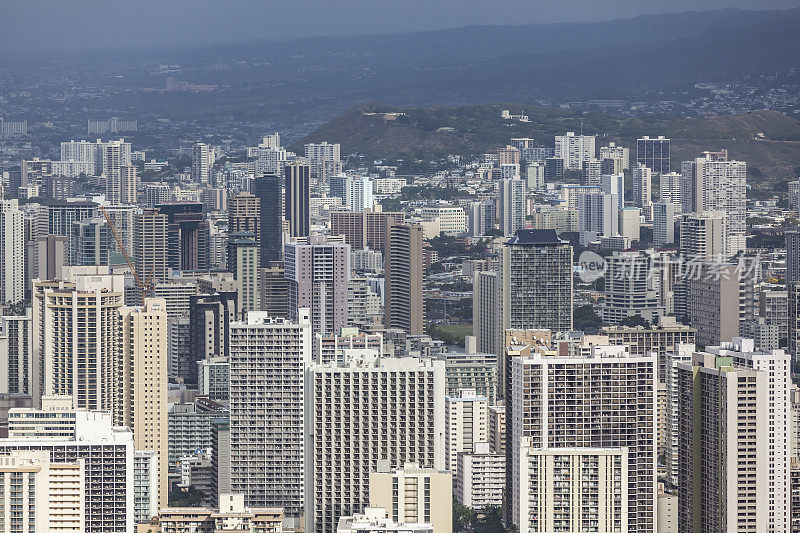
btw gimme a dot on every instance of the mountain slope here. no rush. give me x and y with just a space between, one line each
769 141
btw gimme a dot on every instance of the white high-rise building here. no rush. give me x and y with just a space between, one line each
680 353
620 153
704 236
670 188
642 190
663 223
598 215
202 163
107 452
511 206
12 252
480 477
561 404
365 411
320 153
358 193
267 360
713 182
726 481
574 149
630 288
271 159
775 364
466 421
614 184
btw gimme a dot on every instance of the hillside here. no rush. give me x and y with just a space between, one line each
428 134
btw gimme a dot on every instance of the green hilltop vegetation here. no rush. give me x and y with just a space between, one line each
768 140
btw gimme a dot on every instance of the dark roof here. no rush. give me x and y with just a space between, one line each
536 237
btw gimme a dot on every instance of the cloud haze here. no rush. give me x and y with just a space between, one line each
36 25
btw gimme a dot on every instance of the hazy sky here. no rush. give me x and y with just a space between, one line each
70 24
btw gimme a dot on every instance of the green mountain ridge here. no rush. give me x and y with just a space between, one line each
768 140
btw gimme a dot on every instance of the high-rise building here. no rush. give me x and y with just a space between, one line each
663 223
39 495
243 261
12 252
210 318
653 153
793 294
465 419
642 189
16 354
594 480
567 416
45 258
318 272
268 358
480 218
128 183
150 241
724 419
598 216
704 236
90 242
273 290
358 193
107 453
629 288
364 229
717 301
670 188
511 205
414 495
348 435
244 213
269 191
320 153
713 182
202 163
480 477
403 270
80 366
140 397
537 282
187 235
630 223
617 153
296 210
573 149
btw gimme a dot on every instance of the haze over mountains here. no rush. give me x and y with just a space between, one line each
647 58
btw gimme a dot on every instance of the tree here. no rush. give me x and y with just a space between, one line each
585 319
463 517
633 321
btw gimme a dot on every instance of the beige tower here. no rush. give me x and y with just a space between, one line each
405 305
140 399
128 181
243 214
150 246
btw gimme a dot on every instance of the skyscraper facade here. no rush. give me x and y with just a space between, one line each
537 281
318 272
268 357
403 270
298 183
653 153
269 191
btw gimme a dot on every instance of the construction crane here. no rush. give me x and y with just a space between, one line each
145 285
